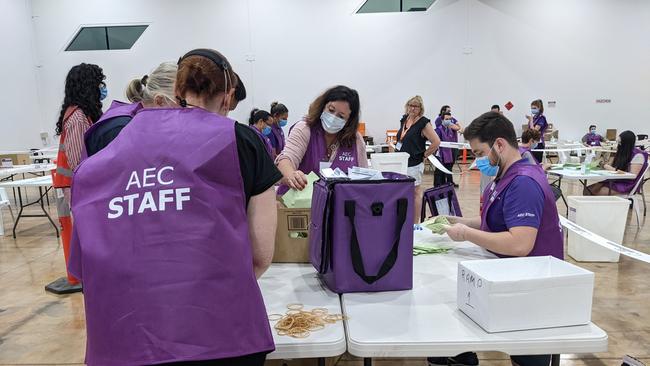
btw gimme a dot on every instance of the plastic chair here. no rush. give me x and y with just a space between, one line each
636 195
4 202
441 200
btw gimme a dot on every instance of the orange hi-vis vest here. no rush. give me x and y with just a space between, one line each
63 175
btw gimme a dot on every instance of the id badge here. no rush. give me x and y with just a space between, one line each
398 146
59 193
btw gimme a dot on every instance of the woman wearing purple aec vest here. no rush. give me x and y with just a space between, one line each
169 248
326 138
629 159
519 216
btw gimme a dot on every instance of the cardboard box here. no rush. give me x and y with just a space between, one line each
524 293
18 159
292 235
611 134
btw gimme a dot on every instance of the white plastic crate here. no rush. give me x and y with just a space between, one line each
603 215
524 293
396 162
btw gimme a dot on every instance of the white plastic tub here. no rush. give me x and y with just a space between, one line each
396 162
603 215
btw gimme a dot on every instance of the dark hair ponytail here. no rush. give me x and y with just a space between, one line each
256 115
278 109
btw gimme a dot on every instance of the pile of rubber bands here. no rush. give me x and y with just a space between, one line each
299 323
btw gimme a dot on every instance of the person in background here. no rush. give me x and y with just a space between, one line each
187 222
447 131
628 159
240 93
592 138
529 141
280 114
444 109
82 106
260 121
519 217
326 138
495 108
155 90
414 132
537 121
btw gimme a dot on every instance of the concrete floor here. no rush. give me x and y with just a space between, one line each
38 328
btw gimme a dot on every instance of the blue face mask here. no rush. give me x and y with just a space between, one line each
593 132
103 92
282 122
446 122
534 145
485 166
266 131
534 111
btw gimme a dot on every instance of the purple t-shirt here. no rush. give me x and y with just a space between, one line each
522 205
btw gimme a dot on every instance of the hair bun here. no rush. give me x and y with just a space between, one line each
144 79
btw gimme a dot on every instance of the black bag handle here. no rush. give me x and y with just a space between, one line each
355 250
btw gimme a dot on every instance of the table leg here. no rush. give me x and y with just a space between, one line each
40 191
367 362
20 213
555 360
584 184
321 361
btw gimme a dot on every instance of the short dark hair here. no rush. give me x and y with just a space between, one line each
530 134
490 126
496 106
240 90
258 114
594 126
445 114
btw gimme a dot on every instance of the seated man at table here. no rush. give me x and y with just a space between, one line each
519 216
592 138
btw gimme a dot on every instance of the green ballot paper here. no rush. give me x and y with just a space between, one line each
301 199
436 224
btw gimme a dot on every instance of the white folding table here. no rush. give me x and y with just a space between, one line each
44 184
285 284
584 178
425 322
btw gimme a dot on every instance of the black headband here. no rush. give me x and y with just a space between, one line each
209 54
212 56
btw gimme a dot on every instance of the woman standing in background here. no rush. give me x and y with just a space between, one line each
537 121
82 106
280 114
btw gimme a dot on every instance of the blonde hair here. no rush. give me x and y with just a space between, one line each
159 82
417 99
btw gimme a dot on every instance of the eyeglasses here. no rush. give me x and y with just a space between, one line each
413 106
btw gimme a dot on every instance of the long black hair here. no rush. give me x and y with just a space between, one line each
82 90
625 150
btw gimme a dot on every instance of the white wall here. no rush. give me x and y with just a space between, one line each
569 51
20 121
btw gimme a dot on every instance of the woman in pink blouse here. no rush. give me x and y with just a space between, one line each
326 138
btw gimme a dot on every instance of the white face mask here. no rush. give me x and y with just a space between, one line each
331 123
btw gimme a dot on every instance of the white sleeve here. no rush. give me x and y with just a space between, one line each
637 159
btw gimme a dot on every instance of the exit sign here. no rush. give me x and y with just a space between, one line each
603 100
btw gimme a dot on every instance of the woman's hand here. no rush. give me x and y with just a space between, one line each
456 232
295 180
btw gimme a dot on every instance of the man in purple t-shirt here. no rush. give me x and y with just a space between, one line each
519 215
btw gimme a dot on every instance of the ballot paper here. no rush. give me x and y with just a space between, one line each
357 173
301 199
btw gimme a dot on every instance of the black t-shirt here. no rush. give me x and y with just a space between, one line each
106 133
257 169
413 142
